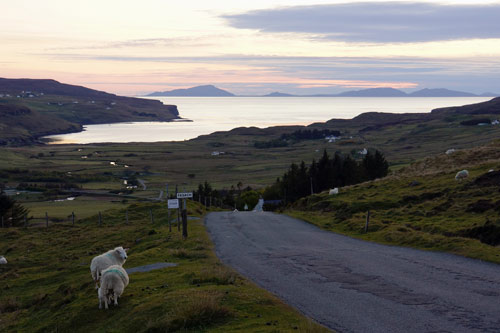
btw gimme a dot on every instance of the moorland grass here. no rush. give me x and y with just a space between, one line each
47 285
421 206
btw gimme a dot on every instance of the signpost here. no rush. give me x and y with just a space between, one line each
172 204
184 196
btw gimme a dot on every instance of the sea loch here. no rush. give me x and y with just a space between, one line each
211 114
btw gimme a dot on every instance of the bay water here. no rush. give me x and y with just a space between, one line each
211 114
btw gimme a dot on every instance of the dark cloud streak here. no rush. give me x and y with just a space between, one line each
381 22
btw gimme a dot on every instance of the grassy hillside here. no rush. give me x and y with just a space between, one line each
47 287
33 108
403 142
421 206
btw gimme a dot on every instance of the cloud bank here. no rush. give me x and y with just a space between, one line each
302 75
382 22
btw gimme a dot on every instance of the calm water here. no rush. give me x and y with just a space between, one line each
211 114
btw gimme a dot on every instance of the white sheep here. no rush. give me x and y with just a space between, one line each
334 191
462 174
3 261
114 279
103 261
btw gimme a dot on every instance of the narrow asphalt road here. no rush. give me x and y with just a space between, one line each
355 286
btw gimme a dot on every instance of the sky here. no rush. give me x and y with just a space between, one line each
253 47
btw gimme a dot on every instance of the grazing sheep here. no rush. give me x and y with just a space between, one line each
114 279
3 261
103 261
334 191
462 174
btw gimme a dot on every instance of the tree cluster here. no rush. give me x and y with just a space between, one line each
314 134
228 198
338 171
11 212
296 136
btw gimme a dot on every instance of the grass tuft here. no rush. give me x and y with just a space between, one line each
199 312
215 275
10 304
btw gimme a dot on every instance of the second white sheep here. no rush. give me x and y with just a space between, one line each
114 279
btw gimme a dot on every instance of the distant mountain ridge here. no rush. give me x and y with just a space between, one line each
391 92
198 91
278 94
212 91
441 92
374 92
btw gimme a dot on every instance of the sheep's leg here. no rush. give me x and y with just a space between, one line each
96 279
116 298
99 297
106 303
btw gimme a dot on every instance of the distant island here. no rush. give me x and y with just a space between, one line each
212 91
32 108
199 91
279 94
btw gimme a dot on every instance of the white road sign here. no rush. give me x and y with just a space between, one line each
184 195
173 203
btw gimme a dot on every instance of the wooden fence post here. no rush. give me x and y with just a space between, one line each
100 219
367 220
46 219
184 220
73 218
178 219
169 222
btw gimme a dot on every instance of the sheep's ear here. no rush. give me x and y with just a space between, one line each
126 250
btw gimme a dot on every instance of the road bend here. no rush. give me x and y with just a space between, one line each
351 285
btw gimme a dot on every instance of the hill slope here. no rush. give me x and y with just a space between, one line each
422 206
32 108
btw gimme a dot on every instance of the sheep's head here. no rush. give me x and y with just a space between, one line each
121 252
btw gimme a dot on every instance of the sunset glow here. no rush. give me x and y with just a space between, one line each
134 48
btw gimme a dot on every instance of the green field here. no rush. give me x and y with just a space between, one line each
47 287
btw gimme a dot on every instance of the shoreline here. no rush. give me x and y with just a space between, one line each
388 117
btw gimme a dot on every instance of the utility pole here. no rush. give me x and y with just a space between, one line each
178 211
